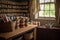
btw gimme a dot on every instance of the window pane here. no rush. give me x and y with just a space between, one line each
47 14
42 7
41 1
52 13
52 7
41 13
47 0
52 0
46 7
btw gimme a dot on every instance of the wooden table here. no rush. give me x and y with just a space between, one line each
10 35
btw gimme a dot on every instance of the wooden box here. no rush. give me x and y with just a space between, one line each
7 27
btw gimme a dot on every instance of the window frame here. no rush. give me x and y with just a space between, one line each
53 18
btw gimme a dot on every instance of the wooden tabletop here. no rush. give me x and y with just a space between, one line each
17 31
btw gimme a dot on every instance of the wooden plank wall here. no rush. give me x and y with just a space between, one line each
14 8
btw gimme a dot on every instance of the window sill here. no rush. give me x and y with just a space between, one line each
46 18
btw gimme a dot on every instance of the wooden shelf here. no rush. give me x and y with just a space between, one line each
11 7
12 10
14 3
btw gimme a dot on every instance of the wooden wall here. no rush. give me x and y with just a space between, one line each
14 8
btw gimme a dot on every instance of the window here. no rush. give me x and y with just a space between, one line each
47 8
